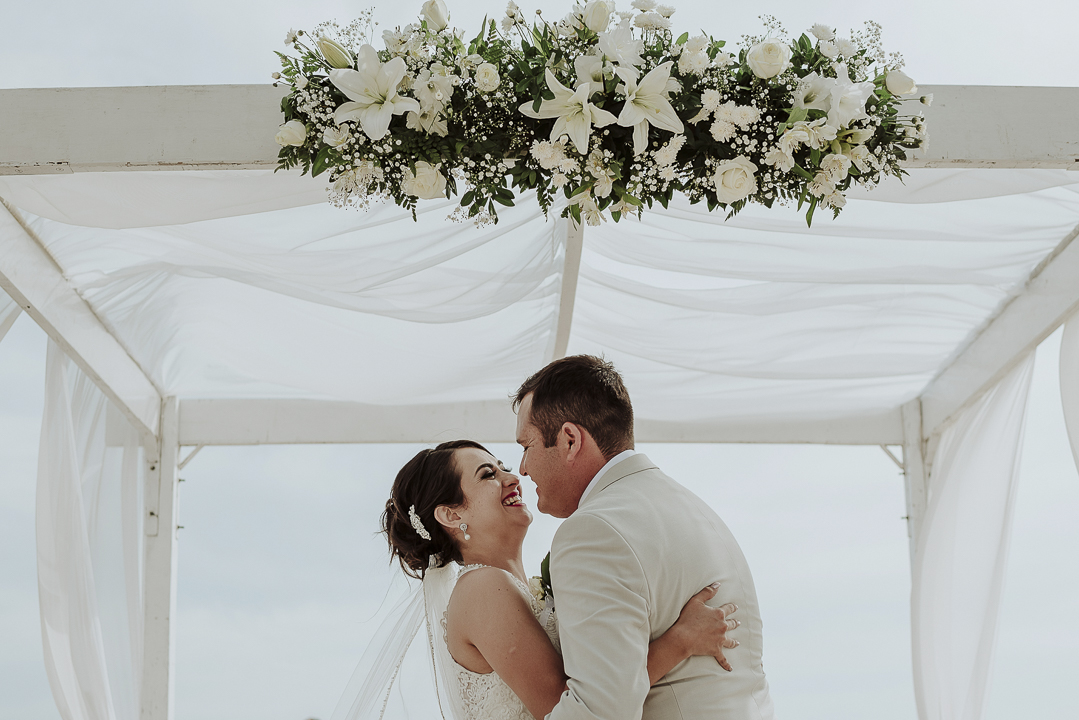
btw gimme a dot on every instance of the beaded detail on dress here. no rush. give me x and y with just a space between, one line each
485 695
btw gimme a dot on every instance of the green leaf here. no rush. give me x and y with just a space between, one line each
682 39
322 161
545 575
797 115
809 214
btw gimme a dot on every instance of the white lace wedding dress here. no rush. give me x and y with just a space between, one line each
485 695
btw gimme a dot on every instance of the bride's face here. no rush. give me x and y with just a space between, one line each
493 500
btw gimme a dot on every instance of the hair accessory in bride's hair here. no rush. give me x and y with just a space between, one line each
417 524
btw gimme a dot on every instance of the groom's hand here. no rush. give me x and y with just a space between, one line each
707 626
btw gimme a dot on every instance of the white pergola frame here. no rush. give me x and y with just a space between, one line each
231 127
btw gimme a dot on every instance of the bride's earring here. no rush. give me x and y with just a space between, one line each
464 529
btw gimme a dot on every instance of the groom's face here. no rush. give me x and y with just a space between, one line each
545 466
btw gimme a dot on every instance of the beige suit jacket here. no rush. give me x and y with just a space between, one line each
623 566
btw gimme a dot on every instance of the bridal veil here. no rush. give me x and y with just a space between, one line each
368 692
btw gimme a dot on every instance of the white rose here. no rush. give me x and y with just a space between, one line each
427 184
335 137
735 180
436 14
293 132
899 83
822 32
596 15
535 586
336 55
768 58
487 78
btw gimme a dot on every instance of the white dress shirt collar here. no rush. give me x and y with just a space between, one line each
603 471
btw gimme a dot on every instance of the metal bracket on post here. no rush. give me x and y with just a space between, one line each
159 572
915 476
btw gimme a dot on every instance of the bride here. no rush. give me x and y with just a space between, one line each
456 503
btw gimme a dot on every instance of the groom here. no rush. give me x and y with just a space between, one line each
634 548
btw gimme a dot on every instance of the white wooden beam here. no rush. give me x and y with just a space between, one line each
159 573
571 270
258 422
32 278
232 126
915 474
1050 296
182 127
1006 127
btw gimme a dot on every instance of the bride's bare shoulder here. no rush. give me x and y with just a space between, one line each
481 588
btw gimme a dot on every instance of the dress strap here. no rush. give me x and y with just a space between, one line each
470 568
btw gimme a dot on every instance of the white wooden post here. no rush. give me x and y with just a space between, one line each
915 474
159 574
571 270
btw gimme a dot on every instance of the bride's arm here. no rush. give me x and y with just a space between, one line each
497 621
492 616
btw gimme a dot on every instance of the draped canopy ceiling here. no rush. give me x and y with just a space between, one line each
246 285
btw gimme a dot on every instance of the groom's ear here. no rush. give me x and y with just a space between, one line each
573 437
447 517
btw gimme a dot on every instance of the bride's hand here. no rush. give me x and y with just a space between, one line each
704 629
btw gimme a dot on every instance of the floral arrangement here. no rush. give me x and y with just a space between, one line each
609 108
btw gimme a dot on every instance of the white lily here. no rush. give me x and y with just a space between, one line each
847 102
647 103
373 92
619 45
575 114
814 92
589 70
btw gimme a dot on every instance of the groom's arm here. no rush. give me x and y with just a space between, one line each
602 606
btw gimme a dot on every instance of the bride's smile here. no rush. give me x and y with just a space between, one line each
494 503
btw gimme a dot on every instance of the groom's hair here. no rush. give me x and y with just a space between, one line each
584 390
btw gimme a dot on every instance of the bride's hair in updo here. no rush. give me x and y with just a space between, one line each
426 481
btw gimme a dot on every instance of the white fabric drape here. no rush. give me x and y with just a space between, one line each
962 551
89 548
756 320
1069 382
9 313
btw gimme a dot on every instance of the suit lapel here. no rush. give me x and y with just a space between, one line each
630 466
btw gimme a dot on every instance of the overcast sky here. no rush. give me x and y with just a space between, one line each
280 568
